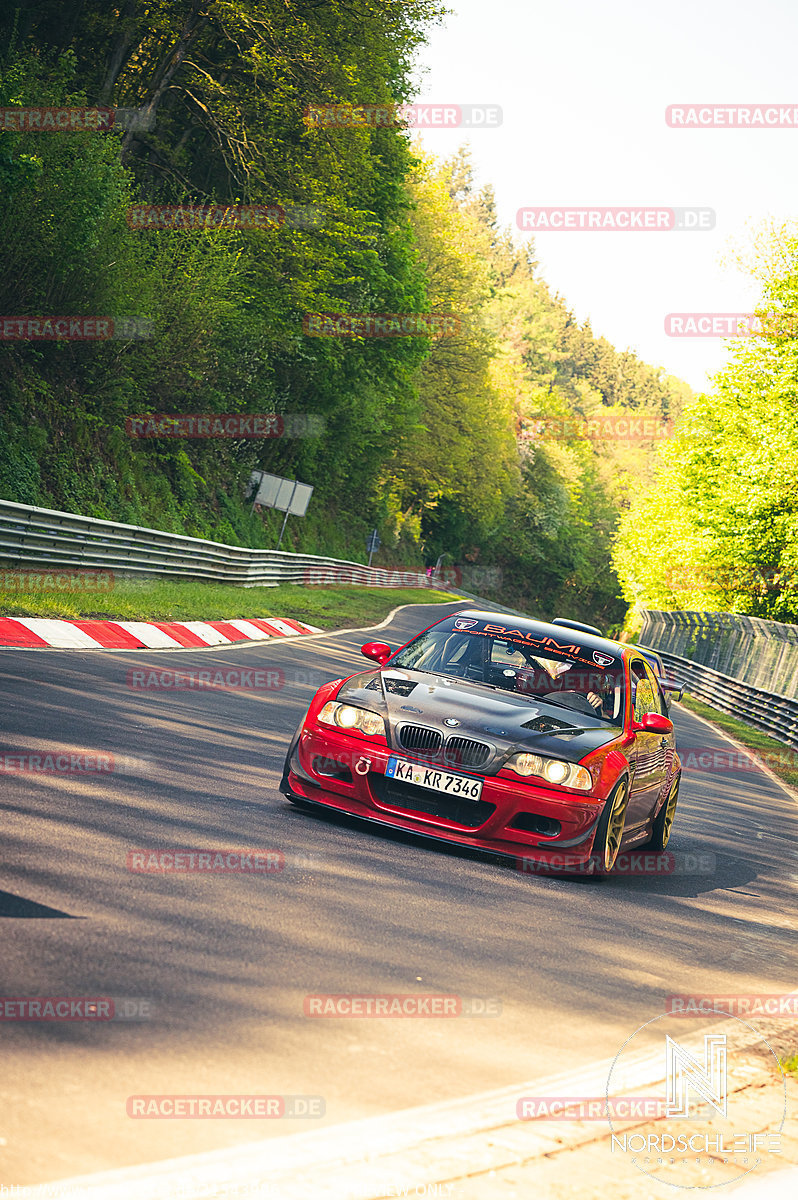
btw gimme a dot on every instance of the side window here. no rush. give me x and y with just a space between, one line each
644 701
659 700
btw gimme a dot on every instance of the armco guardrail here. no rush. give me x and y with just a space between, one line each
750 649
773 714
41 538
744 666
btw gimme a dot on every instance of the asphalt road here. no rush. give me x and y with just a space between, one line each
225 961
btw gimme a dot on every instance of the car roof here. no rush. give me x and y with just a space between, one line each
546 629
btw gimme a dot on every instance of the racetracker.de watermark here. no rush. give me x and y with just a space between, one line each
401 1005
231 679
399 116
225 1108
732 116
225 425
56 763
383 577
206 862
56 581
56 1008
629 219
75 1008
195 217
761 1004
74 329
590 1108
682 577
632 862
72 119
750 324
430 325
599 429
710 759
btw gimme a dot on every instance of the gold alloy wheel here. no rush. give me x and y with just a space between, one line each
614 833
670 811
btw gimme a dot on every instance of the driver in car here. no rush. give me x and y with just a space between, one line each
592 690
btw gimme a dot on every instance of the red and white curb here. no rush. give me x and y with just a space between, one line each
41 633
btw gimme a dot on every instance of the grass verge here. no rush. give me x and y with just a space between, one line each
780 758
790 1066
187 600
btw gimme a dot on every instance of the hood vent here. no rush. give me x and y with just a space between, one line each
399 687
547 724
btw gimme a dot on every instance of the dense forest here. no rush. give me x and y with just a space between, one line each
475 446
718 531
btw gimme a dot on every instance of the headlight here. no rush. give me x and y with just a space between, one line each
553 770
346 716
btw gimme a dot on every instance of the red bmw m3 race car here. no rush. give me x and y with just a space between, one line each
539 741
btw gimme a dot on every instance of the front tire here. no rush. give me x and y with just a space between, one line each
607 841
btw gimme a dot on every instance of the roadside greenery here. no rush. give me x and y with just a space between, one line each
780 758
718 531
472 447
173 600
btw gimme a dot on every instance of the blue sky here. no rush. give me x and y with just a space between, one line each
584 87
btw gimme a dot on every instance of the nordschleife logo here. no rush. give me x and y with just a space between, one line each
721 1094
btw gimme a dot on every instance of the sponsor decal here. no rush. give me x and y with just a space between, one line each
545 645
602 660
463 623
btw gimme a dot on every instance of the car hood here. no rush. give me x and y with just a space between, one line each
504 721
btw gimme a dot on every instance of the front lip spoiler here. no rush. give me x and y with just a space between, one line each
437 839
440 839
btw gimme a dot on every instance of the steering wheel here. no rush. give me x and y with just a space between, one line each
573 700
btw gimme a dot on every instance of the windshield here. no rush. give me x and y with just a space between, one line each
565 674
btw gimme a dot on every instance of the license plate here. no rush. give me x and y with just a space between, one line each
434 779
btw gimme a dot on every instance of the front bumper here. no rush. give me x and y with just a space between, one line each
347 774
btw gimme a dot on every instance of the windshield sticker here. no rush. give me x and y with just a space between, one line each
462 623
523 637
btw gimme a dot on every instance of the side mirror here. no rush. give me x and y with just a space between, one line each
668 685
378 651
655 723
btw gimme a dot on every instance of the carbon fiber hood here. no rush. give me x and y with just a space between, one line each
501 720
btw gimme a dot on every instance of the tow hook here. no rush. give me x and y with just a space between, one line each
363 766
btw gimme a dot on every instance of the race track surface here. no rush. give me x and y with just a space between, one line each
225 961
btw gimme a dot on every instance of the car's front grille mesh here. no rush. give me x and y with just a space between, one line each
420 740
463 752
